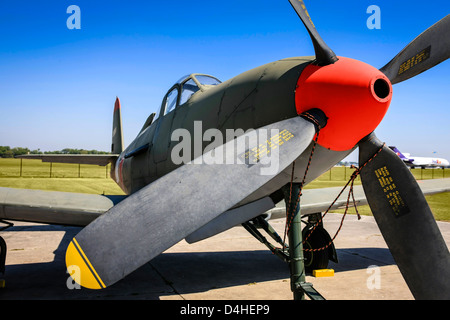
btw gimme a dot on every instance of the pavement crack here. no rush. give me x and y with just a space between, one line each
364 256
166 281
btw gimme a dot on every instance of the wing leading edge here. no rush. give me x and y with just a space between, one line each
52 207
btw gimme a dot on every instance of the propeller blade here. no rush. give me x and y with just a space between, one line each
427 50
324 55
405 220
161 214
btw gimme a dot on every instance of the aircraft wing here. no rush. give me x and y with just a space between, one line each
408 161
74 209
318 200
312 201
78 209
98 159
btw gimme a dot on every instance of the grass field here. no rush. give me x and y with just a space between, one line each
35 174
26 168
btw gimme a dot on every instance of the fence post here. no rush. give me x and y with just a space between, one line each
21 160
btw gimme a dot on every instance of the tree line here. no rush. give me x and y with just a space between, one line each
8 152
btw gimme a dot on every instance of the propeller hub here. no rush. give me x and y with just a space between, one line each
354 96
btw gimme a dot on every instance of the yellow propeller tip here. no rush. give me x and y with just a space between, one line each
80 269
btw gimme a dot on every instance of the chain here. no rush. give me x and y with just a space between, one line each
356 173
353 177
290 217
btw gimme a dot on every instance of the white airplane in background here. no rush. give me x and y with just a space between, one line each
422 162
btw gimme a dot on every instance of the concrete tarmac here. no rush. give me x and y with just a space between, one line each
230 266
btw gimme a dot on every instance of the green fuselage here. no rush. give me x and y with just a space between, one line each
250 100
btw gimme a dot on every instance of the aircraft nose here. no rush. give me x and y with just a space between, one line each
353 95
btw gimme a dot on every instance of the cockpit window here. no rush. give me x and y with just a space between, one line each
183 78
189 88
171 100
207 80
189 85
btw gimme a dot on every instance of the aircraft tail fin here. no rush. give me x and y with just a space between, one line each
117 134
401 155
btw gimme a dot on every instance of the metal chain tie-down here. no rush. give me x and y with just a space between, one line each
353 177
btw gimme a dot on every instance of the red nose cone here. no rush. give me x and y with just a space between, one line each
353 95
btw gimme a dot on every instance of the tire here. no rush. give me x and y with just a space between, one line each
315 259
2 255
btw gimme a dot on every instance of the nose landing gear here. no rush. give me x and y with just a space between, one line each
308 250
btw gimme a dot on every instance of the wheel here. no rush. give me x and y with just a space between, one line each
315 259
2 255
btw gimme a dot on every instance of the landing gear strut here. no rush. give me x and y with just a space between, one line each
292 253
296 259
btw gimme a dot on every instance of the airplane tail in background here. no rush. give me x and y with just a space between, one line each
393 148
117 134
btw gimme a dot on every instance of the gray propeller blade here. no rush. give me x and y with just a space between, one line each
427 50
406 221
324 55
161 214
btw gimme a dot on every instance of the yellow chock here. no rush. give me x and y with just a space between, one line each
2 283
320 273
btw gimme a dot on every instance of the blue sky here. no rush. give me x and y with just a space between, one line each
58 86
